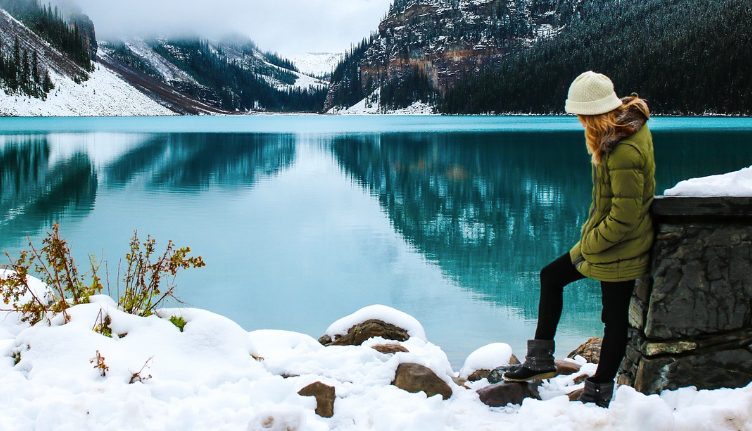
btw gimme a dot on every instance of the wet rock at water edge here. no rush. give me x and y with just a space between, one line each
359 333
590 350
324 395
503 393
418 378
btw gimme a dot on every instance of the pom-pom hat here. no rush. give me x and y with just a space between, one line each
591 94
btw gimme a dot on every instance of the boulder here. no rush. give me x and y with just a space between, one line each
501 394
324 395
590 350
416 378
390 348
359 333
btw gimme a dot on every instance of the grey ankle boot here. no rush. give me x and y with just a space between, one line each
598 393
539 362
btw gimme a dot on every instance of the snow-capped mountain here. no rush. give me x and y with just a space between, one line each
319 64
200 76
76 91
44 73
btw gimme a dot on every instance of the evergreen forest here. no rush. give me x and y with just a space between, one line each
238 85
686 57
347 87
22 73
49 23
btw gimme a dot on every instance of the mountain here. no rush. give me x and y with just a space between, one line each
519 56
424 47
194 75
42 73
51 63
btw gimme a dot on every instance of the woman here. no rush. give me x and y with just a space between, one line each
616 239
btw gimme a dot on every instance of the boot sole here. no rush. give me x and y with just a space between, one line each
541 376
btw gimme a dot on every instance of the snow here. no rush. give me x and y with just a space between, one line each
315 63
103 94
167 70
737 184
370 105
216 376
487 357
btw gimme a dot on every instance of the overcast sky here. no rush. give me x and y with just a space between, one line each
285 26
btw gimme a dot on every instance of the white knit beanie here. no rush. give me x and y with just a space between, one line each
591 94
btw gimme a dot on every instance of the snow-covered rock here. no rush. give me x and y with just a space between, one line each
379 312
487 357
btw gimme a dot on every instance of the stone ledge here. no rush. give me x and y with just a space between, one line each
717 208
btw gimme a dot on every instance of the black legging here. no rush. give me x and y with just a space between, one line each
615 314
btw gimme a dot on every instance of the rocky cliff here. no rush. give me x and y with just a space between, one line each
446 40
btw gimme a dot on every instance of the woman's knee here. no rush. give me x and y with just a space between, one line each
550 280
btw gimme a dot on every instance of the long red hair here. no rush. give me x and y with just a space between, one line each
602 129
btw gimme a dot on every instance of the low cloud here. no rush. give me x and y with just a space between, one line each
286 26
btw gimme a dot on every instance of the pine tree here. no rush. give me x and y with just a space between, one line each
47 86
35 68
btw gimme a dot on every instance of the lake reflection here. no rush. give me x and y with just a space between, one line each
299 229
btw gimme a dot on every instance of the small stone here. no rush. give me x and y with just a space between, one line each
590 350
418 378
478 375
575 395
503 393
580 379
324 395
390 348
514 361
565 368
497 374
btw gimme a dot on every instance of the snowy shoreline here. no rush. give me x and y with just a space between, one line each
213 375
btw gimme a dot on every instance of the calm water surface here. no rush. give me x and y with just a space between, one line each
304 219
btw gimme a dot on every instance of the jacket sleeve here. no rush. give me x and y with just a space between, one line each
627 184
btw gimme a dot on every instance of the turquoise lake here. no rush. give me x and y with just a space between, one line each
302 220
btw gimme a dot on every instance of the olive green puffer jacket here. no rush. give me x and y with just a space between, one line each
618 235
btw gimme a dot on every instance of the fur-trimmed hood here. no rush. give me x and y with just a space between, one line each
631 121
